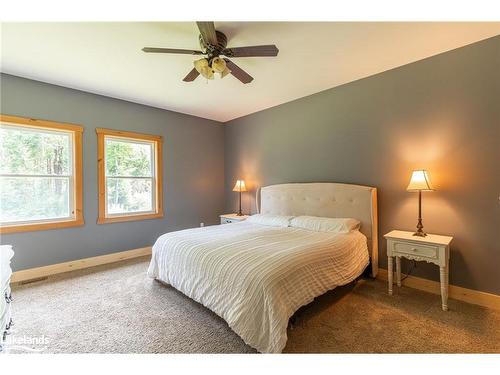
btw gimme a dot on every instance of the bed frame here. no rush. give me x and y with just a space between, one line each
326 200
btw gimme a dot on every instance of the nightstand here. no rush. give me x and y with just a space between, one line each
431 248
232 218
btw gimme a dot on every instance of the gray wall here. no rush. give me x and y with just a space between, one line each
193 170
441 114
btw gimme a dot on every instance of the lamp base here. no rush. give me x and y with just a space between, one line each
240 213
420 234
420 229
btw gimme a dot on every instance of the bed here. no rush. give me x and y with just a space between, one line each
256 276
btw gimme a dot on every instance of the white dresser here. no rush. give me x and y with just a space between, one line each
6 255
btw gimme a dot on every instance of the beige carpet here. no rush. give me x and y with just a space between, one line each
117 309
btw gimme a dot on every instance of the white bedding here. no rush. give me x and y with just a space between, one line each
255 276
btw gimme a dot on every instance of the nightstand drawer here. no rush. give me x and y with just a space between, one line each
416 250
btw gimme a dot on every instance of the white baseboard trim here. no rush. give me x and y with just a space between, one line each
456 292
54 269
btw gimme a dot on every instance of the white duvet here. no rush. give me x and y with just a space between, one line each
255 276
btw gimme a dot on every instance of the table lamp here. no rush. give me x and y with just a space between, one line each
420 182
239 187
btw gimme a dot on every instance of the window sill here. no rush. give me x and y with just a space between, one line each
41 226
119 219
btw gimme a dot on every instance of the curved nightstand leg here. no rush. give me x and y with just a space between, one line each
398 271
443 276
390 273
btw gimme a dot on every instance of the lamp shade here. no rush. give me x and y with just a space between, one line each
239 186
420 181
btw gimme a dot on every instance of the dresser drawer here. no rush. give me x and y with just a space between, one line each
419 250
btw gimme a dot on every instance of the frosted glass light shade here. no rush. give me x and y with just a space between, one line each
240 186
208 73
420 181
200 64
202 67
218 65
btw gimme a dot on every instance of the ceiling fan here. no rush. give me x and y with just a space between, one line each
213 44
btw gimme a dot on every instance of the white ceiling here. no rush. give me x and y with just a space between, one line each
106 58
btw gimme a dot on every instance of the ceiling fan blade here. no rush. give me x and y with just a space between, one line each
172 50
252 51
238 72
191 76
207 31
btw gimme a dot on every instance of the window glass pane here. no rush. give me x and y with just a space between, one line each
128 158
32 151
129 195
34 198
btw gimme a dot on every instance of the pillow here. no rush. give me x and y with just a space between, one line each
271 220
325 224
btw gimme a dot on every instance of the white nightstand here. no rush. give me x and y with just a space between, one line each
232 218
431 248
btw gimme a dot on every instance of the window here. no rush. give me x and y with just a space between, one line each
130 179
40 174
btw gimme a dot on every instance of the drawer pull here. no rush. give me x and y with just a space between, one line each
415 250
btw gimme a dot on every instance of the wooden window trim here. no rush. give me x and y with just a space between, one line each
101 175
76 132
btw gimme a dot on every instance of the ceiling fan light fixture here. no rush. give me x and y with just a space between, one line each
213 44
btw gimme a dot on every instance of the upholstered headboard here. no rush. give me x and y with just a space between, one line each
326 200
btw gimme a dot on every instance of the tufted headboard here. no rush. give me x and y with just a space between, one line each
327 199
